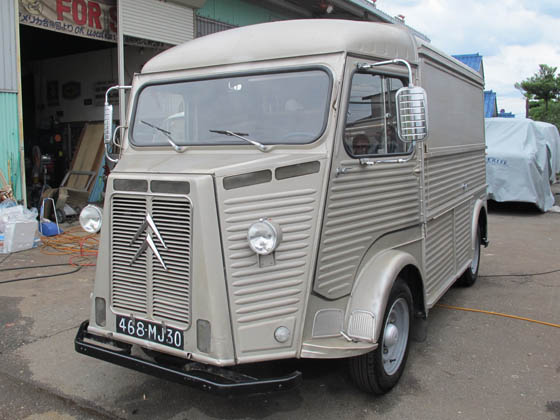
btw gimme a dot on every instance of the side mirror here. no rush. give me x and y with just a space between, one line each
412 114
108 121
108 124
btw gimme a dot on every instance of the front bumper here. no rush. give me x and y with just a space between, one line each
208 378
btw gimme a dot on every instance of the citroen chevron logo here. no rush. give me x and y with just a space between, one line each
148 242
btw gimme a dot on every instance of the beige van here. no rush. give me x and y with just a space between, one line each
282 192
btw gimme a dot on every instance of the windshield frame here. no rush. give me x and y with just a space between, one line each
232 141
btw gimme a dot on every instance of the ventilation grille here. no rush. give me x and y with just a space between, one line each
171 288
144 287
129 291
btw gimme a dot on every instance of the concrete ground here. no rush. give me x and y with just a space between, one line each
472 365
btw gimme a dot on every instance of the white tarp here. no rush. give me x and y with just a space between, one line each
552 139
518 162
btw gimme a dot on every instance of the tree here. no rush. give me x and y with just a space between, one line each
542 90
543 85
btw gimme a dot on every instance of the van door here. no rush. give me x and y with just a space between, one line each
374 187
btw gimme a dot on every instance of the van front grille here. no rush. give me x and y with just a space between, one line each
129 291
140 284
171 288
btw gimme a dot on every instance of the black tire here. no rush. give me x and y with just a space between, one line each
368 371
468 278
60 216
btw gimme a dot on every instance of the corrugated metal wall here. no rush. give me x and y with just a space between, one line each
9 141
205 26
157 21
8 74
238 12
9 119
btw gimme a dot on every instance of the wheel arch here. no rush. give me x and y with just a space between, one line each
368 300
480 218
413 278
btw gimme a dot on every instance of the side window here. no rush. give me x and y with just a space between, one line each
371 116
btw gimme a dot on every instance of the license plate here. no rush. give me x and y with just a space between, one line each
151 331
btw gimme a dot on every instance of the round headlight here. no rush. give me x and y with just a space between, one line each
91 218
263 237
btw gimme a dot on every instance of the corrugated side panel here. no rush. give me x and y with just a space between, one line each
440 264
264 293
463 226
9 142
8 72
157 21
445 176
269 293
361 206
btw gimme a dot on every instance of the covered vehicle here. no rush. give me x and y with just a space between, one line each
518 162
552 140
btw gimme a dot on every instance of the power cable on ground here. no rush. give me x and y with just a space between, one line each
459 308
521 275
34 266
78 268
5 258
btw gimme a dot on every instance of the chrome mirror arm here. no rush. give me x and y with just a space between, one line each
363 66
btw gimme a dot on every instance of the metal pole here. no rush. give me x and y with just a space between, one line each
120 60
20 107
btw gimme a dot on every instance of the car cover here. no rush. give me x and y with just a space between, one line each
552 139
518 162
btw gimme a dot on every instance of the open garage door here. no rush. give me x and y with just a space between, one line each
69 58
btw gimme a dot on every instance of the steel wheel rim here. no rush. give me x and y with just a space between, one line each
476 256
393 350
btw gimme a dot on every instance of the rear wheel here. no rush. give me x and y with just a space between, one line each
379 370
471 273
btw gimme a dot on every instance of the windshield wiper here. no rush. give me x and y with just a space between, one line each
168 137
255 143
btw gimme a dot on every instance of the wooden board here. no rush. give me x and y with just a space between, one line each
88 155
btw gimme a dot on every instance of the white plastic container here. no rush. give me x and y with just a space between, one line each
19 236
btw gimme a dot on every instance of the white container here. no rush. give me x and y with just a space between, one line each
19 236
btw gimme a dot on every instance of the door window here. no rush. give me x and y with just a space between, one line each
371 119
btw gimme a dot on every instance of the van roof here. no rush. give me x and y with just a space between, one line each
289 38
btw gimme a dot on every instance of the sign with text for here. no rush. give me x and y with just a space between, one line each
86 18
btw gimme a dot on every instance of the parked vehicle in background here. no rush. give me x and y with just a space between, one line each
521 161
279 196
552 140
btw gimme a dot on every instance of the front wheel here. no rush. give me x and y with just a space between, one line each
379 370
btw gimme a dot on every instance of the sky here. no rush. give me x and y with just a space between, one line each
513 36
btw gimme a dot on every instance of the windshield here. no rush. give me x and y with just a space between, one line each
280 108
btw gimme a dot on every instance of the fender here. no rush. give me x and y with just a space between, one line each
479 205
366 306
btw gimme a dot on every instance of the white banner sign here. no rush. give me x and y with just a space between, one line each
86 18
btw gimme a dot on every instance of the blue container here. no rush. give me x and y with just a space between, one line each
50 229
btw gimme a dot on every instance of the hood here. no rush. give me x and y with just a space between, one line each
215 163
